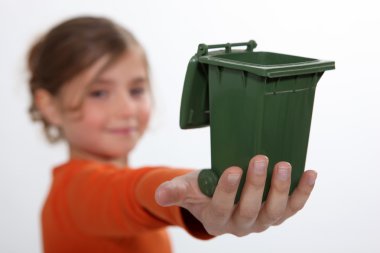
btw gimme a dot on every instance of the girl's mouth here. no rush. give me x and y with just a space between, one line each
123 131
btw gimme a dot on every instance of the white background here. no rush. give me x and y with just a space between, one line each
343 212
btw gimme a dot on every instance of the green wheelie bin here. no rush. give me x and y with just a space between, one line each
255 103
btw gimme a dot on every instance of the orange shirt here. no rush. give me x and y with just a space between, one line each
94 207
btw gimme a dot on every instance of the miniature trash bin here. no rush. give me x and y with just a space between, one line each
255 103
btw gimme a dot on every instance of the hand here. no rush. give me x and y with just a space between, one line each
219 215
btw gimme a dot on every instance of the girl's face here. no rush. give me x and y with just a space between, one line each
114 112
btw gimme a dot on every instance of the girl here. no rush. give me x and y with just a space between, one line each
90 86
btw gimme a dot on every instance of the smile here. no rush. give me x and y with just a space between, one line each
123 131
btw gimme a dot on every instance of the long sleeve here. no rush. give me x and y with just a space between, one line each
100 201
145 192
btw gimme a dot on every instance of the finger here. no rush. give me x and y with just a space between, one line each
278 195
170 193
252 193
222 202
300 195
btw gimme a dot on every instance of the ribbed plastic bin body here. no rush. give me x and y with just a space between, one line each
251 115
255 103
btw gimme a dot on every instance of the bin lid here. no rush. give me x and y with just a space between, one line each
194 110
194 103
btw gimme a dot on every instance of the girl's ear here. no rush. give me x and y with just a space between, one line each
48 107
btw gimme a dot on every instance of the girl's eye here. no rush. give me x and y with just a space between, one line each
137 91
98 93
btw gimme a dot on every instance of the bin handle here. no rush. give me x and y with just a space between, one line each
203 48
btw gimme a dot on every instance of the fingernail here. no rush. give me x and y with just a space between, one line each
283 173
259 167
312 178
162 196
233 179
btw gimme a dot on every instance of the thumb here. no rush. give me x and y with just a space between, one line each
170 193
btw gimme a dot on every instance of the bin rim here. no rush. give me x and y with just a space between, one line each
308 66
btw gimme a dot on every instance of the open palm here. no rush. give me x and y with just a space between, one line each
219 214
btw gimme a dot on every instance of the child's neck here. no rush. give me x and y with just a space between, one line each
120 162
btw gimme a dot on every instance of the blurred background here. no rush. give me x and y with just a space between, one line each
343 212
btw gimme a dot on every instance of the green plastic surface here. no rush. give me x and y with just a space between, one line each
255 103
194 105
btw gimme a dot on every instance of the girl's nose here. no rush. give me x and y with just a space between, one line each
124 107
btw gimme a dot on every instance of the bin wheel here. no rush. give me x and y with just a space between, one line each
207 181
